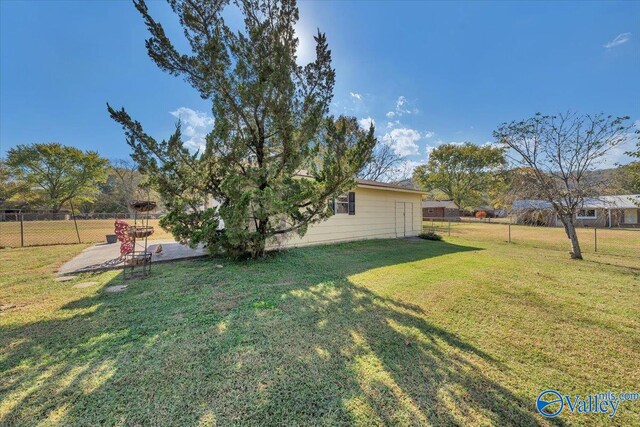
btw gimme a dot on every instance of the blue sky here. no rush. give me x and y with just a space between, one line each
426 73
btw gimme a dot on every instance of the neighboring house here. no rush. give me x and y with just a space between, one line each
446 209
603 211
372 210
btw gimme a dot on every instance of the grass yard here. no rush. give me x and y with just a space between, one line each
57 232
612 241
396 332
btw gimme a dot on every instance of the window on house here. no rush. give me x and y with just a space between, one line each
430 210
586 214
342 204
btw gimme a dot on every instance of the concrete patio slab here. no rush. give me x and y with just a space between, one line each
104 256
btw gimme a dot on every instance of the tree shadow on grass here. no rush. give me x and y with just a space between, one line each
287 340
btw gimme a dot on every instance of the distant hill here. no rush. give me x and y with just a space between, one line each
610 175
614 179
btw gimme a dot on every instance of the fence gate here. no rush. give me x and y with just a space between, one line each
404 218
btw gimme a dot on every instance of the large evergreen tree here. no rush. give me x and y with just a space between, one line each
270 124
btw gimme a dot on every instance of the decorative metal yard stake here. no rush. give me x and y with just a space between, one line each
449 228
595 237
509 232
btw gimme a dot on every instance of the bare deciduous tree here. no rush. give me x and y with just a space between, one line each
557 155
384 165
128 181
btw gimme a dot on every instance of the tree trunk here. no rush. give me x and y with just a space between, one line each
260 244
570 229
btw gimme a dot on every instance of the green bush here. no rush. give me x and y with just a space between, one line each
430 235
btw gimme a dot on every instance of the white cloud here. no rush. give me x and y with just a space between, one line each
402 107
428 134
403 141
620 39
429 150
405 170
356 96
366 123
493 144
195 125
393 124
617 155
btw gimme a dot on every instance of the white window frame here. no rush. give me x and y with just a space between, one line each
579 216
337 201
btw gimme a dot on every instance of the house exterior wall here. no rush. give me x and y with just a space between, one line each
375 218
548 218
619 218
433 212
625 221
451 213
440 212
601 220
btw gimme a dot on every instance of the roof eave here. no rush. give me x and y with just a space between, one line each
380 187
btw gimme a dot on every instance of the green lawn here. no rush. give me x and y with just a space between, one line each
461 332
611 241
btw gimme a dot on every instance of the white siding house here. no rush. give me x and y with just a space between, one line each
603 211
376 211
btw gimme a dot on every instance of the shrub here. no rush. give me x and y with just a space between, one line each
481 214
430 235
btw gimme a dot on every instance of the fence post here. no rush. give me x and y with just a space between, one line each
509 232
449 228
595 237
21 230
73 213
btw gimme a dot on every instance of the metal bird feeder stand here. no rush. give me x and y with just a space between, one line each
138 261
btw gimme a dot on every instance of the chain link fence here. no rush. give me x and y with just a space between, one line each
610 241
18 229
